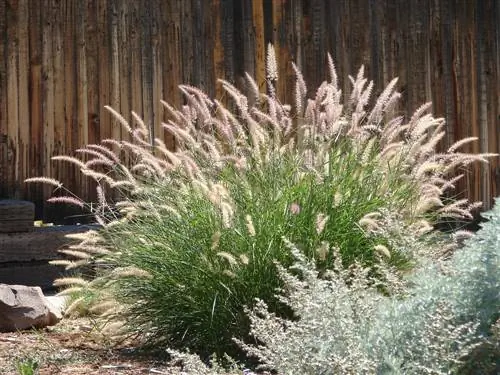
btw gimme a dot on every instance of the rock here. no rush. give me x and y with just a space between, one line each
23 307
57 305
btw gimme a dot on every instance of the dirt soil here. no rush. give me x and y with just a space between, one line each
73 346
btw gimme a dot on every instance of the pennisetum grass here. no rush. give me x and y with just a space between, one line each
205 222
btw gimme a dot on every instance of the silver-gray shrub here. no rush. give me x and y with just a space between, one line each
345 325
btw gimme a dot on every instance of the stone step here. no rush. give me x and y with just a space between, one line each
24 256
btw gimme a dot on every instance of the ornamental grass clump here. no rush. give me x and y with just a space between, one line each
189 236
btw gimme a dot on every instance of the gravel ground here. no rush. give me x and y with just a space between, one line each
72 346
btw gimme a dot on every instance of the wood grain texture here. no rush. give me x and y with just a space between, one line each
63 60
5 185
41 243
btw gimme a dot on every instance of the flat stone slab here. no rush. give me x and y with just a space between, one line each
24 257
16 215
40 274
40 244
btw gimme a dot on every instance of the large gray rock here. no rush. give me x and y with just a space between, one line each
23 307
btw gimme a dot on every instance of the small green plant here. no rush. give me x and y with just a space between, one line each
27 366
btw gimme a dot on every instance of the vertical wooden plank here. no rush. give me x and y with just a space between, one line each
360 41
401 54
146 66
187 52
482 98
80 132
228 38
286 52
171 79
13 151
207 67
48 89
447 35
3 102
496 89
104 64
24 104
248 46
92 54
69 100
277 15
384 43
417 53
157 71
318 43
135 58
260 43
196 15
60 170
467 24
123 30
393 48
455 86
218 50
35 191
239 49
344 64
114 68
491 95
333 16
436 59
376 53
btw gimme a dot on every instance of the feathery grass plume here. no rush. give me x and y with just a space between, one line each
69 159
383 250
69 200
76 253
254 88
69 291
61 262
95 163
120 118
300 91
321 220
271 64
44 180
91 236
129 272
73 307
229 257
110 154
97 154
215 240
250 226
72 281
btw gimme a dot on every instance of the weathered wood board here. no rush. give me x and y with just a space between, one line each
64 60
24 257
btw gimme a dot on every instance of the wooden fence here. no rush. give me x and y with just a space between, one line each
61 61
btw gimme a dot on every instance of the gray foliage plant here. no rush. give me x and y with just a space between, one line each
430 325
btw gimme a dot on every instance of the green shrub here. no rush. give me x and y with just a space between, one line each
189 237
